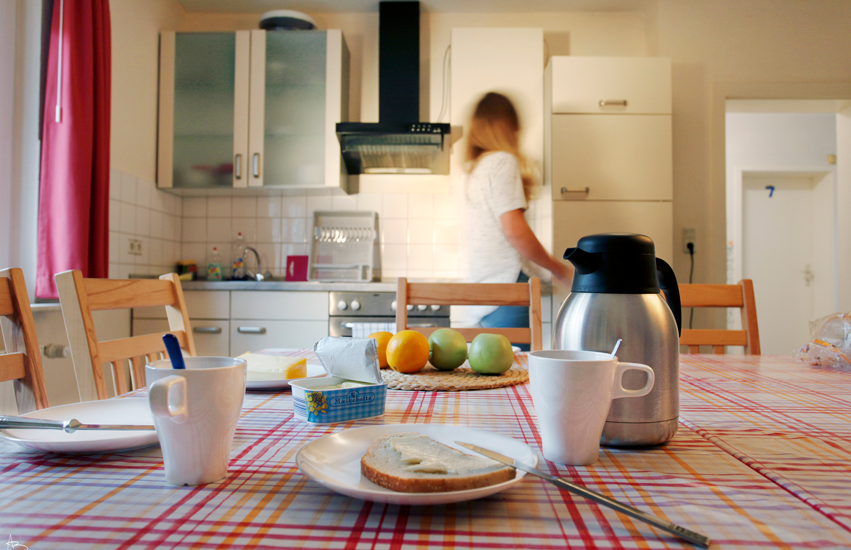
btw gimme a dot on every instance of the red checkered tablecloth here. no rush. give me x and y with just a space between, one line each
762 460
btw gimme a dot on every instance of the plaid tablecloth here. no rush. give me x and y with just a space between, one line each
762 460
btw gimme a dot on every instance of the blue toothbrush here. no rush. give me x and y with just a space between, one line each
174 353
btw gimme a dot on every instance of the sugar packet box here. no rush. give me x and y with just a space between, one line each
345 360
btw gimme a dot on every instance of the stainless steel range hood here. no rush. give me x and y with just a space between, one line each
398 143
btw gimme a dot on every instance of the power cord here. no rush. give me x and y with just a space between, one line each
690 247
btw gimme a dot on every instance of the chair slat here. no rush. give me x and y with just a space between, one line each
120 378
6 305
138 365
709 337
128 293
464 294
127 348
12 367
515 335
711 296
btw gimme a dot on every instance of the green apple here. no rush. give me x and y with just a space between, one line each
448 349
491 354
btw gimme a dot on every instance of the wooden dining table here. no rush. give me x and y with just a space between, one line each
762 459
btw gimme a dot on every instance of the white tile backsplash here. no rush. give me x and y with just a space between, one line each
395 205
394 231
244 207
420 231
421 206
195 207
269 230
269 207
128 188
143 221
219 207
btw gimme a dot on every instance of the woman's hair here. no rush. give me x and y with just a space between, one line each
496 127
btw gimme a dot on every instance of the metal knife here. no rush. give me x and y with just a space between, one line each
68 426
696 539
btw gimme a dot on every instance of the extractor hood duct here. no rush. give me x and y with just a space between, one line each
398 143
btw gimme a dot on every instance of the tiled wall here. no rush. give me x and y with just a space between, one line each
138 211
418 232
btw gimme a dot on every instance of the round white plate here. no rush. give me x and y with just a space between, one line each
313 371
334 461
132 410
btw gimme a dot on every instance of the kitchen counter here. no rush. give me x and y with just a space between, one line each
387 285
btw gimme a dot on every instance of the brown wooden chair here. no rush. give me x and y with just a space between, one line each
80 297
22 360
475 294
740 296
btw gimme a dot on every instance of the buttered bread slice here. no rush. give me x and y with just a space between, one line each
274 367
414 463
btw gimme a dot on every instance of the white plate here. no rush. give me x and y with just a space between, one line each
334 461
313 371
134 410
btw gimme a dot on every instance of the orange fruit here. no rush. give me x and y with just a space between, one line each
407 351
382 338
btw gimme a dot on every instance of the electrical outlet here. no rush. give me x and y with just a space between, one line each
134 247
689 236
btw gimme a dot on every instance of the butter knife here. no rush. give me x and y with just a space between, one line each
696 539
68 426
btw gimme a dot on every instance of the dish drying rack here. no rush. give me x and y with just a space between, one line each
343 246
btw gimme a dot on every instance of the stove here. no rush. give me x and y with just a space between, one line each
345 308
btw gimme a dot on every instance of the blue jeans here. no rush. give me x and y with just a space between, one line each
509 316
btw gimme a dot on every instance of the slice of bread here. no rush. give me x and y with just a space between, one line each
414 463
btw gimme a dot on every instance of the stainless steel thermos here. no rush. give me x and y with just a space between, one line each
616 294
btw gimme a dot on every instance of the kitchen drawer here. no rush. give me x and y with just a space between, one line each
283 305
615 157
201 304
573 220
210 335
579 84
257 334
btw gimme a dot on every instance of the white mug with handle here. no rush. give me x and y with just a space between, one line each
195 413
572 392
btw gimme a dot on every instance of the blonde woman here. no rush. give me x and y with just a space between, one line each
496 239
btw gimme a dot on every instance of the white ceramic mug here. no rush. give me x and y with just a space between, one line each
572 392
195 412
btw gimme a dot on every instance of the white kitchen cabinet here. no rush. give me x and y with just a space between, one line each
200 304
256 334
252 110
279 305
211 336
614 157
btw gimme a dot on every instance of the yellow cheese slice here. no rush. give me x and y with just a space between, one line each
274 367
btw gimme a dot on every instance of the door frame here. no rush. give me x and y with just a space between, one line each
735 271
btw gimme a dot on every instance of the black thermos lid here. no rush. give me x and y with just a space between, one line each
615 263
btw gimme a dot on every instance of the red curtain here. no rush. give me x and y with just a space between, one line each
73 210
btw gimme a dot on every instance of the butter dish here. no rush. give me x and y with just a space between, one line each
351 362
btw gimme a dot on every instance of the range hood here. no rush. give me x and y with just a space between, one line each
398 143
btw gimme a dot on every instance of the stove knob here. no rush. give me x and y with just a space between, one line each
410 307
422 308
355 305
393 305
435 308
342 305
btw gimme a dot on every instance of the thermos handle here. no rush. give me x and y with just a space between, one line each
671 290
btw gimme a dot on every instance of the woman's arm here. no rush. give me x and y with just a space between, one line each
521 237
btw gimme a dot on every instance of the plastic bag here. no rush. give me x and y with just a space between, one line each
831 342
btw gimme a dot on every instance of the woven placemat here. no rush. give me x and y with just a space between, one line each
460 379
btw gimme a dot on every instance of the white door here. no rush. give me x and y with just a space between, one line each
788 252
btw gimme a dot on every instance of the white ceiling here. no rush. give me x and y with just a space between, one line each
456 6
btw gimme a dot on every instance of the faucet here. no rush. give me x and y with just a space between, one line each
259 275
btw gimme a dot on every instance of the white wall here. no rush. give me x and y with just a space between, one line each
7 95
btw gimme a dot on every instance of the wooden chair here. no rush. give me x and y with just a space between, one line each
22 361
475 294
80 297
740 296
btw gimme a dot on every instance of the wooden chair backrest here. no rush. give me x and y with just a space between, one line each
80 297
740 296
475 294
22 361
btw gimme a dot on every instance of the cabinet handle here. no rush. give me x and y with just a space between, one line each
612 103
251 330
207 330
256 164
585 190
237 166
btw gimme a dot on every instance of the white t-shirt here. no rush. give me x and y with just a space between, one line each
492 189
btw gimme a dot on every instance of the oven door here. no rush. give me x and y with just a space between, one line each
342 326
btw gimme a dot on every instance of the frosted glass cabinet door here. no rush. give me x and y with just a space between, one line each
288 83
204 90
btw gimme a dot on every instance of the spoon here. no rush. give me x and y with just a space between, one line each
617 345
174 353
